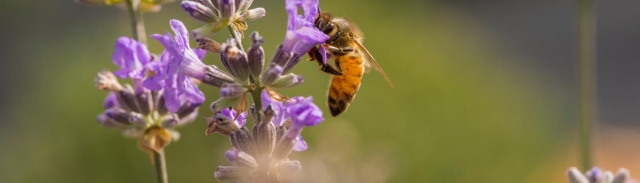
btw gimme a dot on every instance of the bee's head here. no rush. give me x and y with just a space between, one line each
323 22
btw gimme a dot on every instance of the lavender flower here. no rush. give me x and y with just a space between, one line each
261 155
138 112
178 64
282 117
246 68
145 5
219 14
595 175
301 36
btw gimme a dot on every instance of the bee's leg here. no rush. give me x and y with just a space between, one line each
328 69
339 51
314 54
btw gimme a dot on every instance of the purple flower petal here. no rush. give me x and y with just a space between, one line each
178 64
278 108
191 91
200 52
301 35
182 34
131 56
171 96
303 112
111 101
324 54
300 145
310 8
231 114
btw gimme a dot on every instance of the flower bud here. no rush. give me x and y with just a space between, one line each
253 14
622 176
216 77
243 5
161 107
281 56
199 11
187 109
227 8
595 175
283 148
293 61
128 99
242 140
240 158
235 60
228 173
144 101
111 101
170 121
108 122
288 81
265 133
231 90
290 166
271 75
222 103
137 119
575 176
256 55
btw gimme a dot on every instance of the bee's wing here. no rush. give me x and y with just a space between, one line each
369 60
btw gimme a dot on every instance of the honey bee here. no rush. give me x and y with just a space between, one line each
351 60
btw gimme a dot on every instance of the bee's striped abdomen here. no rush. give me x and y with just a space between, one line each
343 88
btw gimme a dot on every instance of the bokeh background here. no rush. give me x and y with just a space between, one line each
485 91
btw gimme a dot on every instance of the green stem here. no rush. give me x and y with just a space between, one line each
257 91
234 34
139 34
161 166
137 22
587 69
256 94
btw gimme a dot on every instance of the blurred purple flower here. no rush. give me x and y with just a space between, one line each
176 65
111 101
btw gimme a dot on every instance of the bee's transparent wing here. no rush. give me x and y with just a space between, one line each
371 61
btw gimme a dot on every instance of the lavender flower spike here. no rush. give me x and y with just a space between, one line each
300 111
177 64
595 175
301 36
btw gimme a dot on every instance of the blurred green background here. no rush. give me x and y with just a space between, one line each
484 92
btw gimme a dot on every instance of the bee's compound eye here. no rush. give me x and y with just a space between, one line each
318 22
329 28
